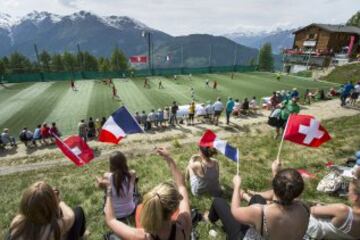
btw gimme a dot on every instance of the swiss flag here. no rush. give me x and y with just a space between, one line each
305 130
76 149
138 59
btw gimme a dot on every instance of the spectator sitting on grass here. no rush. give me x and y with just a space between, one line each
123 186
260 220
26 136
54 130
245 106
337 221
7 139
37 134
45 133
43 215
158 206
203 173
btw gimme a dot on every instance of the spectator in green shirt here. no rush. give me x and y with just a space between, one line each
288 107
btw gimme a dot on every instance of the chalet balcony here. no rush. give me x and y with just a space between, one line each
307 59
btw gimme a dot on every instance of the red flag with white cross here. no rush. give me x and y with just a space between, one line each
76 149
305 130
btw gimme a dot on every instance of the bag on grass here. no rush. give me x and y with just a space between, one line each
331 183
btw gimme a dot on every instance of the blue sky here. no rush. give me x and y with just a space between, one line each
180 17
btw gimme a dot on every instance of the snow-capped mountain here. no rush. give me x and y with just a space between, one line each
55 33
99 35
278 38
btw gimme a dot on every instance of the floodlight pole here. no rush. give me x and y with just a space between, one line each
39 63
148 36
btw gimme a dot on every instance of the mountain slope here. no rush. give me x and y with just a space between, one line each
279 39
99 35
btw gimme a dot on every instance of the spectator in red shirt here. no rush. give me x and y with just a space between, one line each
54 130
45 132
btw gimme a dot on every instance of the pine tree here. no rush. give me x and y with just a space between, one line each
57 64
90 62
45 60
2 68
118 61
69 61
266 60
252 62
18 63
104 65
354 20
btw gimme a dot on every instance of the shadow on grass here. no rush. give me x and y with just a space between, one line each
6 151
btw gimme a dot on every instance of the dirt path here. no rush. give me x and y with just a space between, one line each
22 159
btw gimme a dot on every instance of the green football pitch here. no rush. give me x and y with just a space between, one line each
28 104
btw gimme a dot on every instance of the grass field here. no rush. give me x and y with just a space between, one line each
77 185
28 104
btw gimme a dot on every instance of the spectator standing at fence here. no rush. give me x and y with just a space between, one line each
287 108
209 109
229 109
83 130
97 126
91 128
215 85
218 108
173 118
160 117
192 108
137 117
166 115
103 120
274 100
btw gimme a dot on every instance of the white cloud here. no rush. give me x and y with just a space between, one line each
203 16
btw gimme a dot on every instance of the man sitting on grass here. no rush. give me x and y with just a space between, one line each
253 105
7 139
26 136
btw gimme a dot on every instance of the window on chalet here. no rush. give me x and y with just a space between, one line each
312 36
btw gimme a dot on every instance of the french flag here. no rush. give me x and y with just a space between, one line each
118 125
209 139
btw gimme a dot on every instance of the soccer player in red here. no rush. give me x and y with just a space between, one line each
114 92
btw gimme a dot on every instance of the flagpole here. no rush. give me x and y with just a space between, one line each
237 167
282 139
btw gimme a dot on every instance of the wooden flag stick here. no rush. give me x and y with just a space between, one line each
282 140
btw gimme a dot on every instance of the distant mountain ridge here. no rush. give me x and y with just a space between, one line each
279 39
100 35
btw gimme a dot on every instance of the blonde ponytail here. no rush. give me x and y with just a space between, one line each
159 204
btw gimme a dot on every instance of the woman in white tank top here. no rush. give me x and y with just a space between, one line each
122 182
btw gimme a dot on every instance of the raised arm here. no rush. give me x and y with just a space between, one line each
184 206
119 228
246 215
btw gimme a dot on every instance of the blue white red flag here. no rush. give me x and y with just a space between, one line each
118 125
209 139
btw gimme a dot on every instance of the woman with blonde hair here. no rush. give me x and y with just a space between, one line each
337 221
158 206
203 173
43 216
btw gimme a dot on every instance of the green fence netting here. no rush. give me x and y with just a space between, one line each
63 76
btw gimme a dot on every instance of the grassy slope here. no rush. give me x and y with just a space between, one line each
29 104
343 74
77 185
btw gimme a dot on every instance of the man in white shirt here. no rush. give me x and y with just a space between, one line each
253 105
218 108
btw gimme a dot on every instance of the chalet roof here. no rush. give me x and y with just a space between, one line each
333 28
